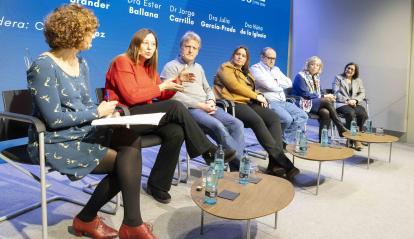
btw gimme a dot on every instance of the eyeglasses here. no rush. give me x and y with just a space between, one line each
270 58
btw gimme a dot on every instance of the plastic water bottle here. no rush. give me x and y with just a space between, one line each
324 137
298 135
354 127
219 162
244 169
210 196
368 126
303 144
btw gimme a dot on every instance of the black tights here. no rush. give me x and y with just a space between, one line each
327 113
123 165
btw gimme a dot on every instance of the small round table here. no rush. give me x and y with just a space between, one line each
317 153
372 138
268 196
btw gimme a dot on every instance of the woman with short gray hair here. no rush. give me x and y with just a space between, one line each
307 85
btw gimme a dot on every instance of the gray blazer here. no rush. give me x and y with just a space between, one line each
341 90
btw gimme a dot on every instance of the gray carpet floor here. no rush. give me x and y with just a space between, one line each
376 203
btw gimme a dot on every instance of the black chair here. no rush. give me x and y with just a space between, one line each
149 140
15 120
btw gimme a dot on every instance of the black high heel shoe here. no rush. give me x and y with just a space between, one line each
342 130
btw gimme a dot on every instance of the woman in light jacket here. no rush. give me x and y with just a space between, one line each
350 93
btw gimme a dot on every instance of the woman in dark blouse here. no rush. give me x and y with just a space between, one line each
58 81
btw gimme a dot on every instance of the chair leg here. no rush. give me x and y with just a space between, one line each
43 184
43 188
178 172
256 154
44 200
33 206
188 168
21 169
187 176
175 180
333 130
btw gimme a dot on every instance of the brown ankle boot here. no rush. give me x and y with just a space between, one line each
139 232
357 145
96 229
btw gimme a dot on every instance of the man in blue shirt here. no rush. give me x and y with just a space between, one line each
271 82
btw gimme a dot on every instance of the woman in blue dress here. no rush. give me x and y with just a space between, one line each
58 81
307 85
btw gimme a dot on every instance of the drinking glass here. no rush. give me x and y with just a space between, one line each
379 131
254 169
204 171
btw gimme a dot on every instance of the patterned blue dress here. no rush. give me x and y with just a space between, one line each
72 146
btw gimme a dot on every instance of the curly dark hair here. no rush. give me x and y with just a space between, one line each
356 72
68 25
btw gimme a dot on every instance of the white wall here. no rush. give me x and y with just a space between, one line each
376 34
410 106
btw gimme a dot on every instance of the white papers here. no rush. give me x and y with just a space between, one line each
151 119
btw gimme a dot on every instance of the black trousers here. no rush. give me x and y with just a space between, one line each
175 126
267 128
350 112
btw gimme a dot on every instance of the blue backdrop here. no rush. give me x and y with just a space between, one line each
222 25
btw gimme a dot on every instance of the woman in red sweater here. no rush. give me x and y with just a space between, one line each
133 80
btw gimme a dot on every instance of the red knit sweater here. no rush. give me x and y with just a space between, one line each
130 83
